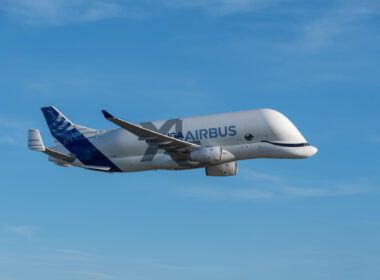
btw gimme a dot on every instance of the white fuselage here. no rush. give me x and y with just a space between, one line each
262 133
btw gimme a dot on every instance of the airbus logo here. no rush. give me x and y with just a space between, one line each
209 133
190 135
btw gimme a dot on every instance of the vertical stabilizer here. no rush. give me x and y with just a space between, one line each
76 139
62 129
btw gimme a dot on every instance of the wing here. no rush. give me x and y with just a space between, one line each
165 142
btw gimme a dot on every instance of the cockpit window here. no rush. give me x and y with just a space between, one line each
248 137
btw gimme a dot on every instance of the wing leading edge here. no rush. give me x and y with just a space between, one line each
165 142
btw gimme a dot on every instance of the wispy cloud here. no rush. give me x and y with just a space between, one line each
312 187
330 189
12 132
221 7
75 254
323 29
96 274
8 139
170 266
6 123
64 11
27 231
316 33
257 185
57 12
375 139
218 192
7 278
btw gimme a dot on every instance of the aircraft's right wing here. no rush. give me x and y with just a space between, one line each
165 142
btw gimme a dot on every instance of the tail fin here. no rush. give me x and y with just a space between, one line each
67 134
62 129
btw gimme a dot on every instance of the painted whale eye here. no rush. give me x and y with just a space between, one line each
248 137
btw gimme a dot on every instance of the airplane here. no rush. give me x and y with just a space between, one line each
214 142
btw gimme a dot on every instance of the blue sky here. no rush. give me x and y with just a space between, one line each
315 61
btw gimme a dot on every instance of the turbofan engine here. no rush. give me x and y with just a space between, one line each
225 169
206 154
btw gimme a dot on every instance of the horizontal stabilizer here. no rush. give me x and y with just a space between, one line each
59 155
97 168
35 143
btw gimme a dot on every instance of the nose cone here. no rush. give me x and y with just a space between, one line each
282 133
299 152
310 151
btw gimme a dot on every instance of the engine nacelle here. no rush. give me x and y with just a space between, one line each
206 154
225 169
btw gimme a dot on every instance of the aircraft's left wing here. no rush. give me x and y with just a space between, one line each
165 142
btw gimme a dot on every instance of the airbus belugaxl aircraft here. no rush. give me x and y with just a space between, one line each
214 142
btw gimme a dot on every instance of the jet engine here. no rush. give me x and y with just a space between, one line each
206 154
225 169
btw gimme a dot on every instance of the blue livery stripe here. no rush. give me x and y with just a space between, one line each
74 141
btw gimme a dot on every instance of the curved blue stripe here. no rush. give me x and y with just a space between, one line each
76 142
286 144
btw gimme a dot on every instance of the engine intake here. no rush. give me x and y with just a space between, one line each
206 154
225 169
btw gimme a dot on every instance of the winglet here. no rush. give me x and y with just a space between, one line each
35 141
107 115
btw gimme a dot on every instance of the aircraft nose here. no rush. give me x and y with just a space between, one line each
311 151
